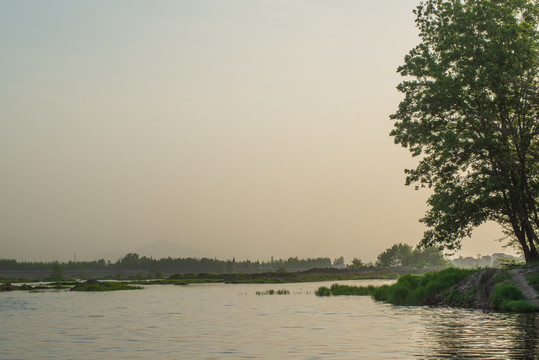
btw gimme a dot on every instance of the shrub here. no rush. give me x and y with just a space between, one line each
381 293
503 294
323 291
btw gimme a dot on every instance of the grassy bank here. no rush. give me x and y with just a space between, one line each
508 297
408 290
486 289
533 280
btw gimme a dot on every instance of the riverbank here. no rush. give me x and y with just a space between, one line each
514 289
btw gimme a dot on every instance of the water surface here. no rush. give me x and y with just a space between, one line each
218 321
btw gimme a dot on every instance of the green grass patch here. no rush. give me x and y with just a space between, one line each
519 306
323 291
508 297
340 290
416 289
337 290
533 280
408 290
501 277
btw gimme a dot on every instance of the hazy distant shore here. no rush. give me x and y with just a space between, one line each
310 275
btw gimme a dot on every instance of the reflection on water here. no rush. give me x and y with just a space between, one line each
220 321
469 334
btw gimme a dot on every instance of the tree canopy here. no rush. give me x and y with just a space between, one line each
469 114
404 255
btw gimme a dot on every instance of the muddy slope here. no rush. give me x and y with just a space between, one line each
475 291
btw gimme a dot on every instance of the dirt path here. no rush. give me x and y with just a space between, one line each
518 277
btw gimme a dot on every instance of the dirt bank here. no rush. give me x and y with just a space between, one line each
475 291
518 277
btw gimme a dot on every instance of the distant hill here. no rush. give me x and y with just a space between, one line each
163 249
111 255
156 250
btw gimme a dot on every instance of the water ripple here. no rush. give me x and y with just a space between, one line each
217 321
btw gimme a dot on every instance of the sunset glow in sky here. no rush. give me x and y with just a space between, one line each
243 128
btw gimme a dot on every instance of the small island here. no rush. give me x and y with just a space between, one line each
95 285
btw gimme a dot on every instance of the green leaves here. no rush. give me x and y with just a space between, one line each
470 110
403 255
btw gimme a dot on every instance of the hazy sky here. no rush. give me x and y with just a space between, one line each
246 128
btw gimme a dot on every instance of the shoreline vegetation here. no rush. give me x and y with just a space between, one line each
511 289
514 289
424 277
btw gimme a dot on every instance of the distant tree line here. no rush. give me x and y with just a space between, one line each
134 261
397 255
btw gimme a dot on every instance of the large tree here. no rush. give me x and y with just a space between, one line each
470 114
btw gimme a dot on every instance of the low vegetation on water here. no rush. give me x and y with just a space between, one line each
273 292
338 289
94 285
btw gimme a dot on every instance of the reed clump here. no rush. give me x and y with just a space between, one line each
273 292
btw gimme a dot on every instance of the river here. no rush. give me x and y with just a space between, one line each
218 321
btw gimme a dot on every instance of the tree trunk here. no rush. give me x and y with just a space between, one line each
532 256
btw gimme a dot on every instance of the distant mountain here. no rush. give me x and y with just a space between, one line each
156 250
112 255
163 249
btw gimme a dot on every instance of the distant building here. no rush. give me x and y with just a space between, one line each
495 260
